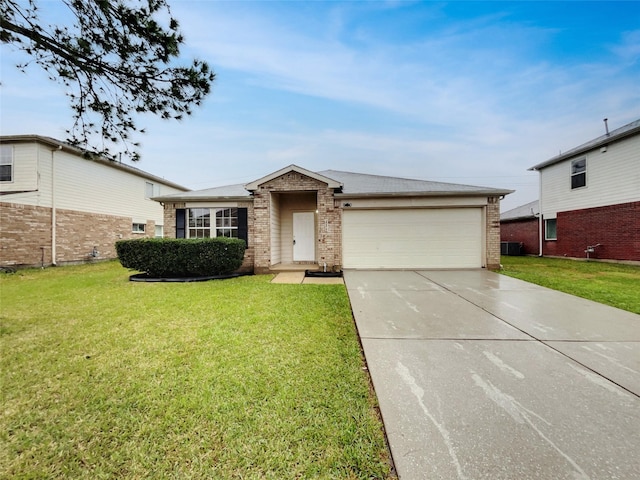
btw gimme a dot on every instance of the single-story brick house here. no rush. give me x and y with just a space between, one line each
345 220
522 225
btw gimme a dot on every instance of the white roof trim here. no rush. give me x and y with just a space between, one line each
292 168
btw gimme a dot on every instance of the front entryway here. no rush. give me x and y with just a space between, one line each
304 237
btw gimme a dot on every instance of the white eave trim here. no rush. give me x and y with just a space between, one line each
480 193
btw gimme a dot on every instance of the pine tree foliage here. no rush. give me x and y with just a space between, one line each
119 60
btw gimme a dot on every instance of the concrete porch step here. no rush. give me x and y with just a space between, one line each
299 278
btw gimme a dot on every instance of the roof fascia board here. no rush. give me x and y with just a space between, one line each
485 193
292 168
586 148
186 198
521 217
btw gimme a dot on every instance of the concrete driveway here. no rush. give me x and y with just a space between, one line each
479 375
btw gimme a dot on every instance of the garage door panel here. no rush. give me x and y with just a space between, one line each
419 238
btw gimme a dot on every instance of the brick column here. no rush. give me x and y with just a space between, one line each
329 230
493 233
261 230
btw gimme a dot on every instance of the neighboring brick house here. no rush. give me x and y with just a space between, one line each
340 220
521 225
590 198
58 207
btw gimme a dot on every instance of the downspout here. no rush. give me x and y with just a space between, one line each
53 206
540 213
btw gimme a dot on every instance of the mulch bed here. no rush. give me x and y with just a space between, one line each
143 277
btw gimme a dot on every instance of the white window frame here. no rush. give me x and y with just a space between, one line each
226 224
138 227
581 172
546 228
7 159
149 190
159 231
200 224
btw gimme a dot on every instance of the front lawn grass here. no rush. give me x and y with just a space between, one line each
609 283
106 378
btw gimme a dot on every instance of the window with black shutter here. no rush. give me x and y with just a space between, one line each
243 225
180 222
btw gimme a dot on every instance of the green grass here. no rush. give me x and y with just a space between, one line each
609 283
106 378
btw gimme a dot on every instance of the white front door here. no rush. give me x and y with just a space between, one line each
304 237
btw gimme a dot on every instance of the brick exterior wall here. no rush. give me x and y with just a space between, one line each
329 223
170 230
329 228
524 231
25 233
169 216
615 227
493 233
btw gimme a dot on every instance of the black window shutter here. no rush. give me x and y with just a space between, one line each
180 222
243 225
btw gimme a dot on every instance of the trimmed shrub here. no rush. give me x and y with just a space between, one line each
180 257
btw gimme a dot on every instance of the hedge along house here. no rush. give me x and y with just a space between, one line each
56 206
295 218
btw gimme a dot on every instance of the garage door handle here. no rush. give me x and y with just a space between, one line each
294 241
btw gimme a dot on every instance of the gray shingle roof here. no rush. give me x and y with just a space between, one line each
225 192
625 131
529 210
354 184
364 184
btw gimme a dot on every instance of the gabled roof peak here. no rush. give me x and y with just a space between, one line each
292 168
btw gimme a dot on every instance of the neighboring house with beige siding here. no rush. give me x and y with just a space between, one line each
56 206
590 198
333 220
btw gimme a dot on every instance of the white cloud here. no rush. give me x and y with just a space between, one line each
477 101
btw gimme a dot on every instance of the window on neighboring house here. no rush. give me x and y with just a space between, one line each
6 163
200 226
578 173
138 228
159 231
150 190
550 229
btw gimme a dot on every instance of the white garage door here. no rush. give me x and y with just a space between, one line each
418 238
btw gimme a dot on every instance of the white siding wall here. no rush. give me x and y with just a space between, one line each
25 171
612 177
86 186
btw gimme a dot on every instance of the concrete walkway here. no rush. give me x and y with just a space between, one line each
481 376
298 277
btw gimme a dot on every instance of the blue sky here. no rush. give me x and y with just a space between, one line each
460 92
